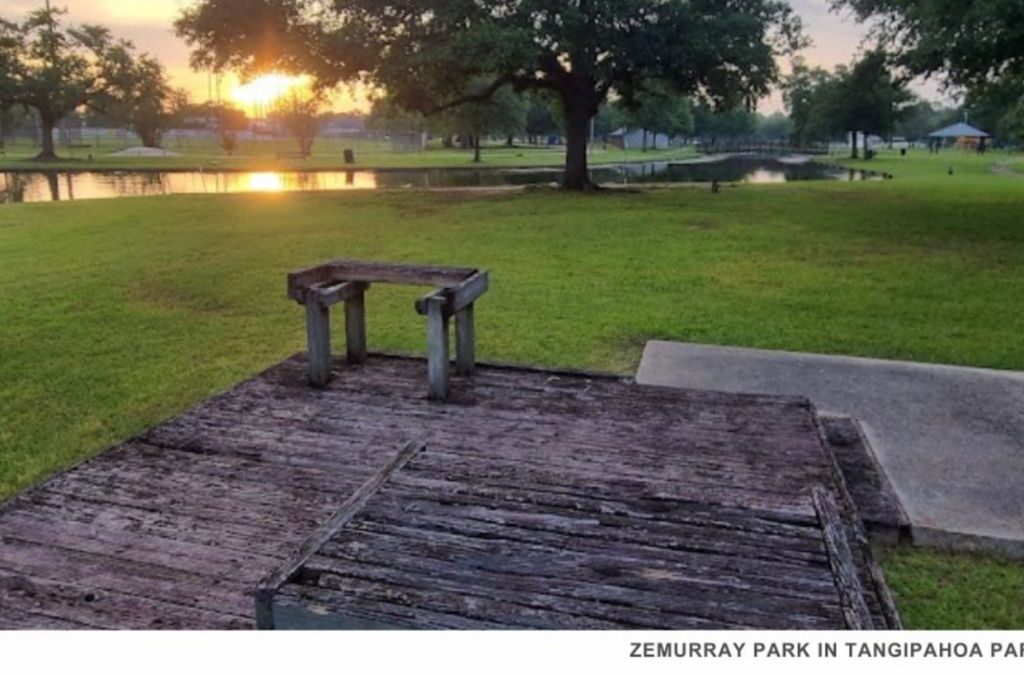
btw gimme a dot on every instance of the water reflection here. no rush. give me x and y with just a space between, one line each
266 182
60 186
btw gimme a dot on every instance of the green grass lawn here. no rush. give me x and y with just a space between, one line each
941 590
327 154
115 315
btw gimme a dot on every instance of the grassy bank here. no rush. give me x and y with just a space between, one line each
115 315
277 155
942 590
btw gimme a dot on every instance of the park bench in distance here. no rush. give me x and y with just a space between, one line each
457 289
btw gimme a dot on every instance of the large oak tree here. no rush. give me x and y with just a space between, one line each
424 53
55 69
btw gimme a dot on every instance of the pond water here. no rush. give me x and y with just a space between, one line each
66 186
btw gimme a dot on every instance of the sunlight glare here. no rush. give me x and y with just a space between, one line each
266 181
263 91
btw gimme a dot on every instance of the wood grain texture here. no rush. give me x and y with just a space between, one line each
318 340
465 341
355 327
856 614
322 534
876 500
437 349
543 499
374 272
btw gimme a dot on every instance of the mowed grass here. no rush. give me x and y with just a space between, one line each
943 590
328 153
115 315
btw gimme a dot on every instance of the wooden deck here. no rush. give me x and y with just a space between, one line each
541 500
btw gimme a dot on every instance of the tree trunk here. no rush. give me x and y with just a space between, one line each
476 149
150 137
47 123
853 145
510 142
577 130
644 148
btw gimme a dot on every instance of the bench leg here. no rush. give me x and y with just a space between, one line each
437 349
465 342
318 338
355 327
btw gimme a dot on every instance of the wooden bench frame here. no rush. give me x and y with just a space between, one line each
457 290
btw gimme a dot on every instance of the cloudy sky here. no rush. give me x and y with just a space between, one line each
147 23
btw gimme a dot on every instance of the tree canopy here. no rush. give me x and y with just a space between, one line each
660 110
54 69
808 93
425 52
147 103
865 98
502 112
712 124
299 113
972 42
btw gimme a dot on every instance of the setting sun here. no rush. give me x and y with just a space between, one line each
263 91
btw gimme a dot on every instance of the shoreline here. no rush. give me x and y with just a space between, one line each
67 166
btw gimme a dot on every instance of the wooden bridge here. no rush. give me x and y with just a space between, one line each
761 148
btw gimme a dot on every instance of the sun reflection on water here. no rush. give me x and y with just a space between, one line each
266 181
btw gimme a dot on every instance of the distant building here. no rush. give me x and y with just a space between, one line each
633 139
961 135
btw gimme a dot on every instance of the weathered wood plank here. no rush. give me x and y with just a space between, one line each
847 577
554 602
357 270
684 545
331 293
876 500
355 327
437 349
108 609
266 588
465 341
318 339
108 572
458 297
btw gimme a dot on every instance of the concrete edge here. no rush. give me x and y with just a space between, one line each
842 358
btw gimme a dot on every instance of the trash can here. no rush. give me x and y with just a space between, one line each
903 152
350 157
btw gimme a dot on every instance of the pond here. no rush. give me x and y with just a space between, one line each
71 185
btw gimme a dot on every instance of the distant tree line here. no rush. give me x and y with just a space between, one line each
535 118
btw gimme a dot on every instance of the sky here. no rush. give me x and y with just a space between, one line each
147 23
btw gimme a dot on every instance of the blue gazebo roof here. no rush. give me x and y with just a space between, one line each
959 130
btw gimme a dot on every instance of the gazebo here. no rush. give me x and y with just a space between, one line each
962 135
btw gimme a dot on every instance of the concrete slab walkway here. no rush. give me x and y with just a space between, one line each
950 439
